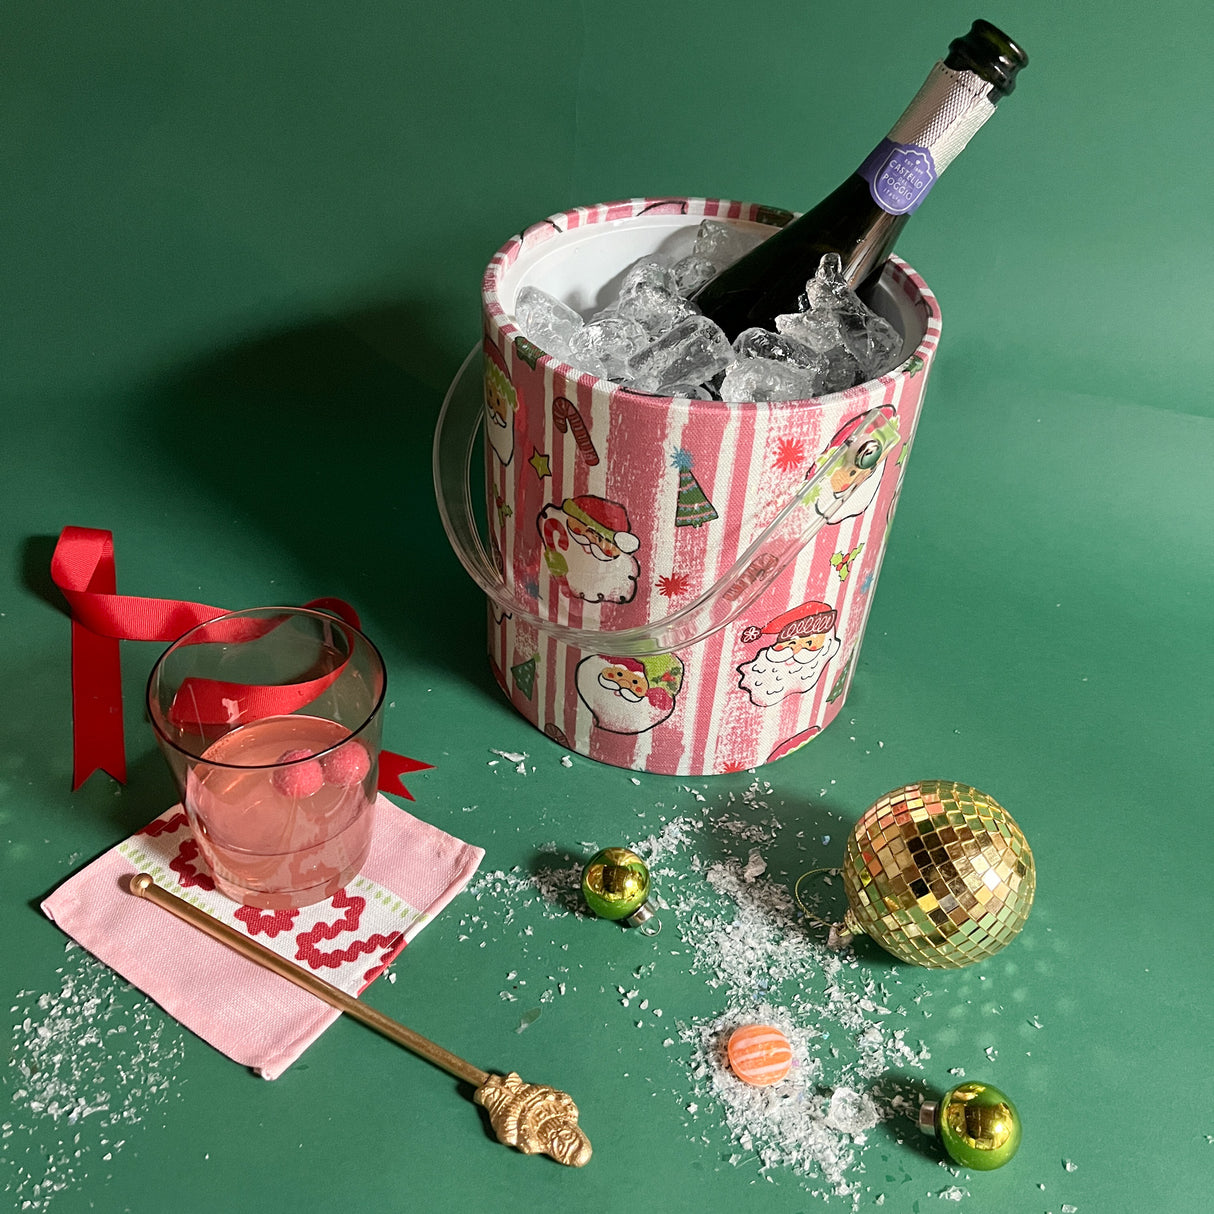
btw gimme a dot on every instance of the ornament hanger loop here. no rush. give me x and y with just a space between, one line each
816 920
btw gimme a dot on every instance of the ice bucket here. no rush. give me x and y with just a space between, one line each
675 586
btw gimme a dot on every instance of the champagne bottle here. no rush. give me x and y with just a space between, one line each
862 218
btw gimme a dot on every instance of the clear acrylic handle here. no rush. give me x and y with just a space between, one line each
771 552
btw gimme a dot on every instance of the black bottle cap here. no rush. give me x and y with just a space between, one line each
989 53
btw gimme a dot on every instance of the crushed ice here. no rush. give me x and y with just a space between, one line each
651 337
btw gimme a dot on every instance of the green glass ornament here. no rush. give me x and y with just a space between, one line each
615 884
977 1124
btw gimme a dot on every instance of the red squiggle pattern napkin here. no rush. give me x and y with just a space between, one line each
254 1016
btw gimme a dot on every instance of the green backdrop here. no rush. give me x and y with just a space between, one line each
241 252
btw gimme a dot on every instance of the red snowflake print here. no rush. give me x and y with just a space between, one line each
674 585
183 865
270 922
165 826
349 922
790 454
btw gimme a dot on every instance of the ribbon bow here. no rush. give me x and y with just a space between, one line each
84 570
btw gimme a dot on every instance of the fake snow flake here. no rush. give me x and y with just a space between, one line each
852 1112
756 866
517 758
528 1019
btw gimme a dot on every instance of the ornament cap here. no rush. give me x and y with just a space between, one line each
929 1111
842 934
644 918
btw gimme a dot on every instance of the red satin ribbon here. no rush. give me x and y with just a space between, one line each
84 570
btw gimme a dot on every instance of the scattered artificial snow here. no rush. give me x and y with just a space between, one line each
739 928
756 866
519 759
91 1058
852 1112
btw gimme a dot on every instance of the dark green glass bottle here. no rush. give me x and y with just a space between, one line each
862 218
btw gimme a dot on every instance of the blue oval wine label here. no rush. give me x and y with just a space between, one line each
899 175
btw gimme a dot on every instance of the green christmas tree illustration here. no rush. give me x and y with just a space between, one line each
524 676
693 509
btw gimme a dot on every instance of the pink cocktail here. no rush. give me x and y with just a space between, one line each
282 834
270 720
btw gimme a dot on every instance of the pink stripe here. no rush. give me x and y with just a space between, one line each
747 471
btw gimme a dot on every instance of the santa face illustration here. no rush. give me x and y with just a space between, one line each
852 486
501 403
629 695
588 548
802 643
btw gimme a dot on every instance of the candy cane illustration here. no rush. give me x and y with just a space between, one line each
556 540
565 414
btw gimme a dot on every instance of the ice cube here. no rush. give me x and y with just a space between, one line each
692 352
653 303
723 243
769 379
871 338
692 272
548 322
852 1112
652 270
841 368
604 345
781 347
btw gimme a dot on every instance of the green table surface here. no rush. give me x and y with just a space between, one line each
241 252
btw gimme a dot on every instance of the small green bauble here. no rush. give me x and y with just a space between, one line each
615 884
977 1124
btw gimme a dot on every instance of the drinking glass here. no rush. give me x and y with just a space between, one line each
270 720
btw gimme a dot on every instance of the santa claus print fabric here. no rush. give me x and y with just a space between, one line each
610 509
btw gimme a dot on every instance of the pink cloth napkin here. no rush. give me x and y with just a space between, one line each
251 1014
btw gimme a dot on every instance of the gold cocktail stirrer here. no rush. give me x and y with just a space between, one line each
532 1117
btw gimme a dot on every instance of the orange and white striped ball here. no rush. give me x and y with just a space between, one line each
759 1054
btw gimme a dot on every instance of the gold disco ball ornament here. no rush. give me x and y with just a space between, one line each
938 874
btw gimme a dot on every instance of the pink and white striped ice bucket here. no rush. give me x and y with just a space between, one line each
675 586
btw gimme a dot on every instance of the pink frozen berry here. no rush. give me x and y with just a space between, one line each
297 778
347 765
